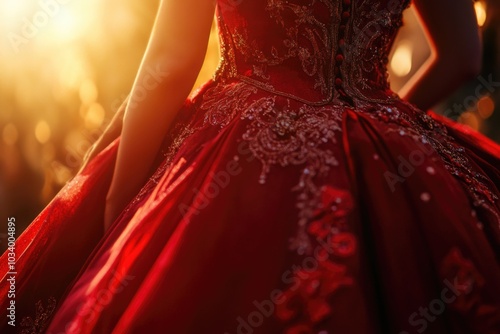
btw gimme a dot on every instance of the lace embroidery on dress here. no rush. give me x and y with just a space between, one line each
352 47
309 300
38 323
371 31
315 56
223 102
466 283
306 304
281 134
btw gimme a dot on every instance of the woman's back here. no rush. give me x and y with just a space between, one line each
312 51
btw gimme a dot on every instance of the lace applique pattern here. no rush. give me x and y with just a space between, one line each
309 300
309 41
314 55
466 286
281 134
223 102
38 323
326 40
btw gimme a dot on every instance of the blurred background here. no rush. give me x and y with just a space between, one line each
66 66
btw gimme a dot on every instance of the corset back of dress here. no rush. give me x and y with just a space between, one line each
313 51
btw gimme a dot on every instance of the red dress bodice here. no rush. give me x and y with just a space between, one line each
313 51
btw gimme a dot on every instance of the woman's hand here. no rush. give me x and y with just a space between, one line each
168 71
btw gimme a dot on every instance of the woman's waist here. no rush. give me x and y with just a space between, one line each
295 87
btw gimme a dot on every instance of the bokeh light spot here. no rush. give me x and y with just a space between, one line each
485 107
401 63
43 132
94 116
470 119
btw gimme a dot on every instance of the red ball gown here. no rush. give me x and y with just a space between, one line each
294 193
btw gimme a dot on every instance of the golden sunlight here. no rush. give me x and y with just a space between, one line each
42 132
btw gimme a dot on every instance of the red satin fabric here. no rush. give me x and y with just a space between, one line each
267 214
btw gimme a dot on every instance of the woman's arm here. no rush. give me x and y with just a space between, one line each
169 68
452 31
